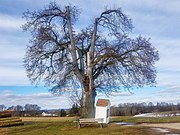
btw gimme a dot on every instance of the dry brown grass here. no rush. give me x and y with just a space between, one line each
65 126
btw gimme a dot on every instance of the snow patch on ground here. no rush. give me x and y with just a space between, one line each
125 123
155 115
161 130
172 134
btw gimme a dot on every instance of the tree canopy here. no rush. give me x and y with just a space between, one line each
99 58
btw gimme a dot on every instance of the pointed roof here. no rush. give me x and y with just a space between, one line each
102 102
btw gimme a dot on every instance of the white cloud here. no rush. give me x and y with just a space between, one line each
12 71
13 76
13 53
171 90
155 97
168 67
44 100
147 5
10 23
159 98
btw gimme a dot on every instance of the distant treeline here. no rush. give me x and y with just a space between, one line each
18 110
35 110
128 109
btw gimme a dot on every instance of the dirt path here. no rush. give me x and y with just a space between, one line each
163 125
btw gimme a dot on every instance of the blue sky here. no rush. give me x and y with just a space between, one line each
158 20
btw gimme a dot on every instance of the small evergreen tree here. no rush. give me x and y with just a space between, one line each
63 113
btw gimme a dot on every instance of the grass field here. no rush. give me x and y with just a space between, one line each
65 126
146 120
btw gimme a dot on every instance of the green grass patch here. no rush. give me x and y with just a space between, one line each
145 120
65 126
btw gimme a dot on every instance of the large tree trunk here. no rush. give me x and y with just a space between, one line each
88 93
88 100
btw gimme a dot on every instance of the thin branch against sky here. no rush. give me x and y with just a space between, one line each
156 19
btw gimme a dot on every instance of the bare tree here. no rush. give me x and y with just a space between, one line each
75 97
2 107
17 110
31 109
99 58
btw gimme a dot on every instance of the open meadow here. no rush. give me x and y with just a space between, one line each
66 126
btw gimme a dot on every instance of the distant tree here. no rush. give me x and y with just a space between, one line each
150 107
11 108
76 97
17 110
96 58
136 108
178 106
115 111
150 104
31 109
74 110
63 113
2 107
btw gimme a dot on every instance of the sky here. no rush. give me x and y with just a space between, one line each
157 20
